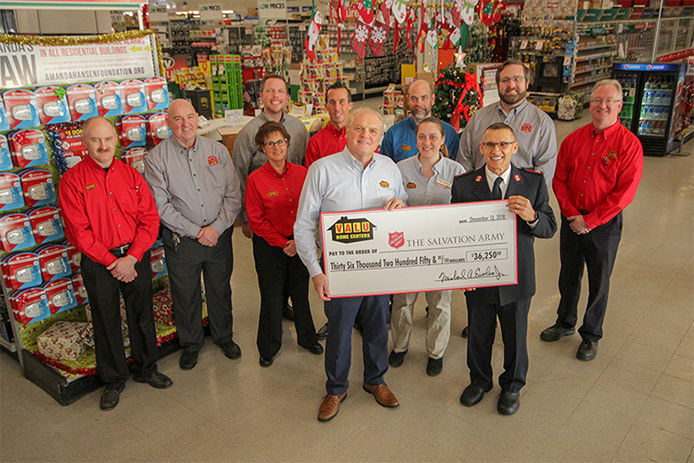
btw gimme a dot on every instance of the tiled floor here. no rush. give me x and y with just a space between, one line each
633 403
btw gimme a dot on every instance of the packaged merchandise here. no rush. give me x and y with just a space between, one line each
66 144
21 270
5 156
21 109
73 256
157 129
60 295
135 158
4 121
37 187
133 96
158 263
53 261
157 93
28 148
108 99
15 233
11 196
46 224
80 290
52 104
29 305
82 101
132 131
163 307
62 341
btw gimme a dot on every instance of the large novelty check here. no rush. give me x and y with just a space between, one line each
467 245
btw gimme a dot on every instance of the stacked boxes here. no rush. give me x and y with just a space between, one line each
227 83
316 77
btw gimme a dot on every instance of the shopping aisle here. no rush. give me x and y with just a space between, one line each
634 402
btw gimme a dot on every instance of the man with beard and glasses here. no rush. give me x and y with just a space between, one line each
537 140
400 141
534 130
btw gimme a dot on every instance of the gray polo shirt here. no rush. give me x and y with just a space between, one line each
193 187
537 140
422 191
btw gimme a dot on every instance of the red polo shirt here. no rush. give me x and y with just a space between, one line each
598 172
272 200
106 209
329 140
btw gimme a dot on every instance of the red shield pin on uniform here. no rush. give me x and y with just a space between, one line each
478 178
396 239
212 160
526 128
516 178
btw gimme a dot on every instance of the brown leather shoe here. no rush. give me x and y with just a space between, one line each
383 396
330 406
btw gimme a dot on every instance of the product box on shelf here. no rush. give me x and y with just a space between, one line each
29 305
5 156
46 224
60 295
54 261
11 196
132 131
4 121
135 158
62 341
80 289
157 93
73 256
15 232
28 148
82 101
108 99
158 263
133 94
37 187
21 109
157 129
21 270
52 104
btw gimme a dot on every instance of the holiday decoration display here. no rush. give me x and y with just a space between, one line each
457 96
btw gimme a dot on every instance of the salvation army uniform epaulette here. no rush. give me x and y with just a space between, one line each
532 171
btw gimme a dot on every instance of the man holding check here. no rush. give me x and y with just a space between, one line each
354 179
528 198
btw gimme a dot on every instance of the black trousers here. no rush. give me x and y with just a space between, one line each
104 291
280 275
186 262
513 319
598 250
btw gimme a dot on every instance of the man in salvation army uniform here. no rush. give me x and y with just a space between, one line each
528 198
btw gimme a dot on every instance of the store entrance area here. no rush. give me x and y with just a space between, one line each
633 403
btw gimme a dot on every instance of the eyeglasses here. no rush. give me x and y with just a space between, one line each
515 79
502 144
604 100
280 142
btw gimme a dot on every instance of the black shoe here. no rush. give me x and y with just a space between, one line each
231 350
555 333
395 359
315 349
434 366
189 359
587 351
265 362
156 380
472 395
466 332
508 402
111 395
288 312
322 333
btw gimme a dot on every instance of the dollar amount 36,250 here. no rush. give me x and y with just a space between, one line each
491 254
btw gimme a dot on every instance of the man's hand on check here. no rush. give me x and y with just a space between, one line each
394 203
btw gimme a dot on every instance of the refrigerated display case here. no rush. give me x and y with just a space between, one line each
652 95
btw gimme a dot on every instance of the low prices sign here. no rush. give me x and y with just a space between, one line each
33 65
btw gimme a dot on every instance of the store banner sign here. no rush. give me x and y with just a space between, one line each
41 62
158 14
211 12
272 9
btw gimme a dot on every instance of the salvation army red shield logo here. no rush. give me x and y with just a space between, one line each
526 128
396 239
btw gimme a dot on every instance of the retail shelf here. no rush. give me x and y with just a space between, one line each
609 66
580 59
590 81
596 47
8 345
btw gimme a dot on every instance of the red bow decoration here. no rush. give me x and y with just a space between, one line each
470 84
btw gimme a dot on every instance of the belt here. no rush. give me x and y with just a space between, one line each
120 249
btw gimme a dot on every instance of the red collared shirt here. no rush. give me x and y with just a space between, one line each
598 172
106 209
329 140
272 200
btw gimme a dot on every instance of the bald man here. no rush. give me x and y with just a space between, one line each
198 196
111 218
400 141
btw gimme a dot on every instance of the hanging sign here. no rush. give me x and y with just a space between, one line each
272 9
211 12
37 61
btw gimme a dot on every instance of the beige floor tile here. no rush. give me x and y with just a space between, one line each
668 416
615 398
640 354
674 389
681 367
630 376
649 442
603 424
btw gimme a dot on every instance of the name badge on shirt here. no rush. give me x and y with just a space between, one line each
272 193
405 147
384 184
411 185
212 160
443 183
90 186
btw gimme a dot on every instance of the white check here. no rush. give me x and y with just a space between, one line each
427 248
